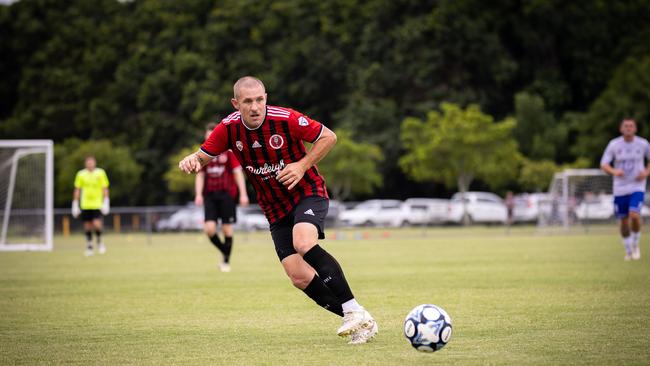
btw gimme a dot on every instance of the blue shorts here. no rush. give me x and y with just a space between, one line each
630 202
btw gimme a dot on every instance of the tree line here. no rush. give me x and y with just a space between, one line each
135 81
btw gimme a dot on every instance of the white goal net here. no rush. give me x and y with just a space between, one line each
577 197
26 195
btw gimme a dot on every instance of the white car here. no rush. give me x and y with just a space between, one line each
251 218
596 208
482 207
529 206
426 211
376 213
187 218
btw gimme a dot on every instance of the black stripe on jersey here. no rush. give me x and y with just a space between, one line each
268 191
267 157
301 149
278 152
261 193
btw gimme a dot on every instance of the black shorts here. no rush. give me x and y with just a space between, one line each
311 209
90 215
220 205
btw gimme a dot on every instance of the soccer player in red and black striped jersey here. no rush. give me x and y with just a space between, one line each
216 188
268 142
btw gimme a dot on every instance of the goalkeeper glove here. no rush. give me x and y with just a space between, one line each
76 211
106 206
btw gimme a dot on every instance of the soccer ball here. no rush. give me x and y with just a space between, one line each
427 327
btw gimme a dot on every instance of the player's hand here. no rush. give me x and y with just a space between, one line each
76 211
243 200
643 175
618 173
190 164
106 206
291 175
198 200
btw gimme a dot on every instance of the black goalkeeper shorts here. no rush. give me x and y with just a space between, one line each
311 209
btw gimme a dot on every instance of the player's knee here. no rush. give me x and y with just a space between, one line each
305 237
303 244
210 228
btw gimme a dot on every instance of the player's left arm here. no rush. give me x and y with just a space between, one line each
106 204
293 173
646 172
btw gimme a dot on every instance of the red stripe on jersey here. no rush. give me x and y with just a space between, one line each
219 175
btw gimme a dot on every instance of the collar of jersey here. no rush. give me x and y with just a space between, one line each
253 129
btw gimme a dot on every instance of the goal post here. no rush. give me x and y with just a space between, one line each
26 195
577 196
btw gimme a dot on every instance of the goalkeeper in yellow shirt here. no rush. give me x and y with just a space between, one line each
91 202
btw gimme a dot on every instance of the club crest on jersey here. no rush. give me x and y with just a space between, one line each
276 141
302 121
240 145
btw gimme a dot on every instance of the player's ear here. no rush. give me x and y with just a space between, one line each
234 103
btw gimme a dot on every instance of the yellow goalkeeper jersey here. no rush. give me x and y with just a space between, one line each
92 184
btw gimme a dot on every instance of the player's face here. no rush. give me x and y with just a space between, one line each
251 103
628 128
90 163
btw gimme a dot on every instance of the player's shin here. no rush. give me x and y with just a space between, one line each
323 296
227 248
330 271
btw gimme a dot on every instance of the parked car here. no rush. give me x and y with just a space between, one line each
189 217
529 206
251 218
599 207
426 211
333 213
376 213
482 207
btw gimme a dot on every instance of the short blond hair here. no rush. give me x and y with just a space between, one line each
246 82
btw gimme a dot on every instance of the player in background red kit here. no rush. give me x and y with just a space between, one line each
268 142
216 187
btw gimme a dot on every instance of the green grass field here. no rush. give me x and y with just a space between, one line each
514 299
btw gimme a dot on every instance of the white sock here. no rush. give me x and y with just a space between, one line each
627 242
635 238
351 305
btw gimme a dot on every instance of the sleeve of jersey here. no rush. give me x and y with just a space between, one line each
77 181
232 160
217 142
305 128
105 182
607 155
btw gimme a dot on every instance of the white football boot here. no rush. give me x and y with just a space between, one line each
354 320
364 334
89 251
636 253
102 248
224 267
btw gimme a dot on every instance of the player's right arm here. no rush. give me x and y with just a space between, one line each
76 210
199 183
214 145
605 162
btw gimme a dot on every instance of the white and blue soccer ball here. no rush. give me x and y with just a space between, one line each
428 328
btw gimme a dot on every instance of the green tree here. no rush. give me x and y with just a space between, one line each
538 134
122 170
177 181
351 168
627 96
458 145
535 176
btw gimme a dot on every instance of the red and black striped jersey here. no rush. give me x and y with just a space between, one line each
266 150
219 175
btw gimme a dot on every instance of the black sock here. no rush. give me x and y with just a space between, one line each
227 248
98 234
330 271
217 242
323 296
89 238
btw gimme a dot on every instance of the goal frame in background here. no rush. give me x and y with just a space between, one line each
564 194
26 148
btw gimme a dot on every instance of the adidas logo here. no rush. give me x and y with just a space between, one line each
309 212
256 144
